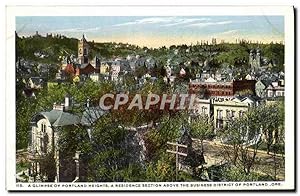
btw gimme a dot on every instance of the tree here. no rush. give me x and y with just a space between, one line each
273 126
25 109
48 166
201 128
72 139
273 129
110 159
162 170
243 138
168 130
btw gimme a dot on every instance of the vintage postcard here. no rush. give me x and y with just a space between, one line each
150 98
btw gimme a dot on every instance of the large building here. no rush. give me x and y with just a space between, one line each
225 111
222 89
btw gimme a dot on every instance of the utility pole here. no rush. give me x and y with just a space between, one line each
177 154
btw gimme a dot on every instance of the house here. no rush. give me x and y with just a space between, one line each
96 64
249 77
104 68
261 88
227 110
43 138
95 77
45 133
69 70
219 76
205 74
202 107
250 100
275 89
210 80
115 70
84 69
35 82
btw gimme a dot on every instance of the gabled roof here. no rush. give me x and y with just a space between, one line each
210 79
248 100
66 119
37 80
69 69
60 118
244 99
270 87
109 63
85 65
266 82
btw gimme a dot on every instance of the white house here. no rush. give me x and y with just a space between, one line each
115 70
44 136
202 107
228 110
95 77
275 89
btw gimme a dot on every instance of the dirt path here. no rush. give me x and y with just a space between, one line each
213 153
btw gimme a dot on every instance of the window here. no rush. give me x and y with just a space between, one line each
204 109
240 113
43 128
219 114
270 93
232 114
228 114
219 123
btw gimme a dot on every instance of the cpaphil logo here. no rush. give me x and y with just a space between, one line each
162 102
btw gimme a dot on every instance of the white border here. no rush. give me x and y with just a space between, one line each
13 11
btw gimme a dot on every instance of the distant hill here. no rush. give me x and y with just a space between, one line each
51 49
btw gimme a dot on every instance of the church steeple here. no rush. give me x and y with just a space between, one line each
83 50
83 38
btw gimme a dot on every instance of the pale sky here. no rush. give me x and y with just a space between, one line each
156 31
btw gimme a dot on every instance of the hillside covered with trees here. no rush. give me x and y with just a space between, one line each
55 47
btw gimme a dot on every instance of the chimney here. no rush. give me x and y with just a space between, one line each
68 102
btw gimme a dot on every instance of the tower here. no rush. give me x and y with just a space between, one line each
258 57
83 51
255 58
97 64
